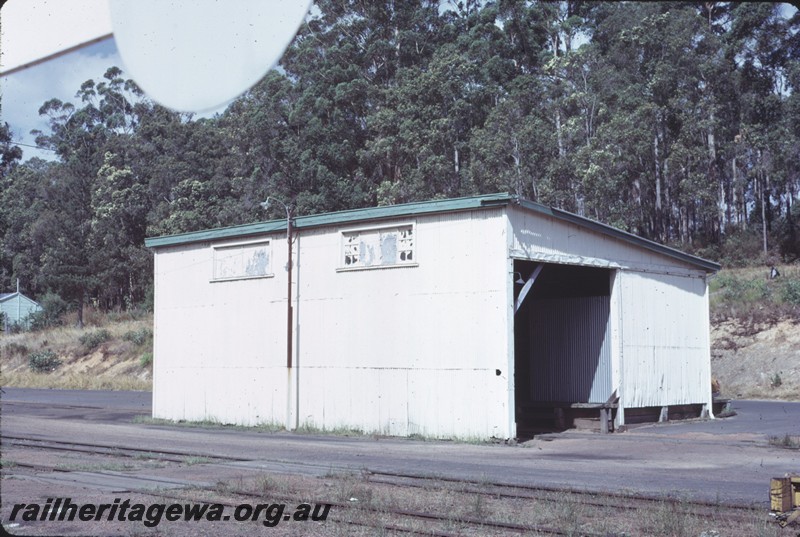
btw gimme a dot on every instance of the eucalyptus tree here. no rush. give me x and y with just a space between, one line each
80 135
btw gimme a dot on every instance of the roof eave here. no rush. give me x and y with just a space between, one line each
705 264
332 219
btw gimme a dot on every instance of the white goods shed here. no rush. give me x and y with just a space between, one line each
469 317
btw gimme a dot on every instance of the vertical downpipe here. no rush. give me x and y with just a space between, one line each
289 319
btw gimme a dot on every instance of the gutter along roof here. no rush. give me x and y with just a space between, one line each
421 208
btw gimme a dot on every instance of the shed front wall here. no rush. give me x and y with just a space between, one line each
413 349
665 340
659 332
543 238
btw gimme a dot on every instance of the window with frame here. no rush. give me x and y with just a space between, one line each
242 261
379 247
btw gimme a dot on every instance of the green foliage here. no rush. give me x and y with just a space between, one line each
790 291
749 295
775 381
92 340
735 289
139 337
43 361
53 308
146 360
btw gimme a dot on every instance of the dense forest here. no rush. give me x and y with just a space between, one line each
676 121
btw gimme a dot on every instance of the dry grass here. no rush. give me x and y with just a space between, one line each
74 381
371 509
87 363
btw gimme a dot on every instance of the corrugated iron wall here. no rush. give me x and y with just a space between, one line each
570 350
665 340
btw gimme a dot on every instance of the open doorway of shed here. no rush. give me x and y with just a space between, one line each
562 353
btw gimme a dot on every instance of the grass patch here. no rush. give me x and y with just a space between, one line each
74 381
146 360
268 427
123 364
748 295
139 337
786 441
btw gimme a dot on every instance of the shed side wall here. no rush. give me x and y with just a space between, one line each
408 350
219 347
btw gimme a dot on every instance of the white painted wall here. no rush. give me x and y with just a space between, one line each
543 238
659 309
665 340
403 350
407 350
218 346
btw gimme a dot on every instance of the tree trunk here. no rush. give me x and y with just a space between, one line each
657 172
765 179
79 323
559 136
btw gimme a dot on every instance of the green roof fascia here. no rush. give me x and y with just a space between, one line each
329 219
215 234
425 207
605 229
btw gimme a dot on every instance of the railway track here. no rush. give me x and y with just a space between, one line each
403 520
110 449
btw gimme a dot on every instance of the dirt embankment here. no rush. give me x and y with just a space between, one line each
757 361
112 356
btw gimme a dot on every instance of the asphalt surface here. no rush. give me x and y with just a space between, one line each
727 459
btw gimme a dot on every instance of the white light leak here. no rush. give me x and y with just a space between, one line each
196 56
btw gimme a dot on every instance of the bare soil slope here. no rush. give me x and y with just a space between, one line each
119 359
761 362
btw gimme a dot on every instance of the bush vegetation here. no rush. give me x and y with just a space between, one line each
92 340
139 337
43 361
748 295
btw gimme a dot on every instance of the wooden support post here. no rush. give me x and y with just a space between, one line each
664 416
604 420
527 287
560 419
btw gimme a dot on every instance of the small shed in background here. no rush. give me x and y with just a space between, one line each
17 309
473 317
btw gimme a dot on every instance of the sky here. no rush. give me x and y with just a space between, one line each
167 48
25 91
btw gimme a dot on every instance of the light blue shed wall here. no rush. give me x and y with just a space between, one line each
17 309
